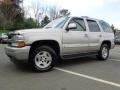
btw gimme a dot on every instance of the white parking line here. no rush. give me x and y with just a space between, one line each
115 52
89 77
114 60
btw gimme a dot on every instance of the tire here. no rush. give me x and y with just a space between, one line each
103 53
43 58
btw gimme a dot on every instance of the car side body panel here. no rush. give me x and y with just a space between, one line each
70 42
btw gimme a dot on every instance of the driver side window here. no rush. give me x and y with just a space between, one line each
79 23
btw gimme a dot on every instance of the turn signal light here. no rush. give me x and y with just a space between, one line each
21 44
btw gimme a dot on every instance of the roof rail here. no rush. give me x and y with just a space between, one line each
85 16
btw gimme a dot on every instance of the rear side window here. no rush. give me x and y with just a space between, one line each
93 26
105 26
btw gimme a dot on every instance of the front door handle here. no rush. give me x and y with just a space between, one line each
100 35
86 35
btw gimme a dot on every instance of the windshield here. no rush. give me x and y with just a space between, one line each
57 23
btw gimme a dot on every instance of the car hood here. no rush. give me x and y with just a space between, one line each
36 31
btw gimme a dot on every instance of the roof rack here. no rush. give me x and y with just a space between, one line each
85 16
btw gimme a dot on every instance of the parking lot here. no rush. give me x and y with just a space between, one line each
79 74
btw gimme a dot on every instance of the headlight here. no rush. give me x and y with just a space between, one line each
18 38
18 41
18 44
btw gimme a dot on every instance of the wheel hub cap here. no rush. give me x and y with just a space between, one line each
43 59
105 52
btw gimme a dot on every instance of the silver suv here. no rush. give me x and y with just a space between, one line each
65 38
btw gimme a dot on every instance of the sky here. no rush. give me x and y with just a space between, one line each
108 10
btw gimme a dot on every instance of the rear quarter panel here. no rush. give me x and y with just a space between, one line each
109 37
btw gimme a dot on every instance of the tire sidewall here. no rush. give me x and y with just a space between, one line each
100 53
36 51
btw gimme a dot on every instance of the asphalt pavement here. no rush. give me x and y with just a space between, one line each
86 73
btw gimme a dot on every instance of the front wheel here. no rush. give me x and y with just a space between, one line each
43 58
103 54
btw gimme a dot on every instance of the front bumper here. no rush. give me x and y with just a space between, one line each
18 53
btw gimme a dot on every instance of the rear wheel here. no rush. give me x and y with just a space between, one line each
43 58
103 54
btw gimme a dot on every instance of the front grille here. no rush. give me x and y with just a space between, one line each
10 36
9 42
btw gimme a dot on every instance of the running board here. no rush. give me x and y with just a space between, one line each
73 56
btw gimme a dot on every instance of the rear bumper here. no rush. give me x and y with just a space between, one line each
18 53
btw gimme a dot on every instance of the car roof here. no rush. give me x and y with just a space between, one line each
86 17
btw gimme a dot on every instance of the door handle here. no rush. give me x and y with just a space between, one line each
86 35
100 35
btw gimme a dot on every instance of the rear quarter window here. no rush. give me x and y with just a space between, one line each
106 27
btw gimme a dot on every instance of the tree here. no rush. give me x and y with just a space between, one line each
45 21
54 13
39 10
12 13
113 28
64 12
3 21
26 24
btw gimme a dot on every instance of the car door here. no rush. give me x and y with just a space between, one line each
75 40
94 35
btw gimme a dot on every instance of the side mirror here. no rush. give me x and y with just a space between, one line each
71 26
